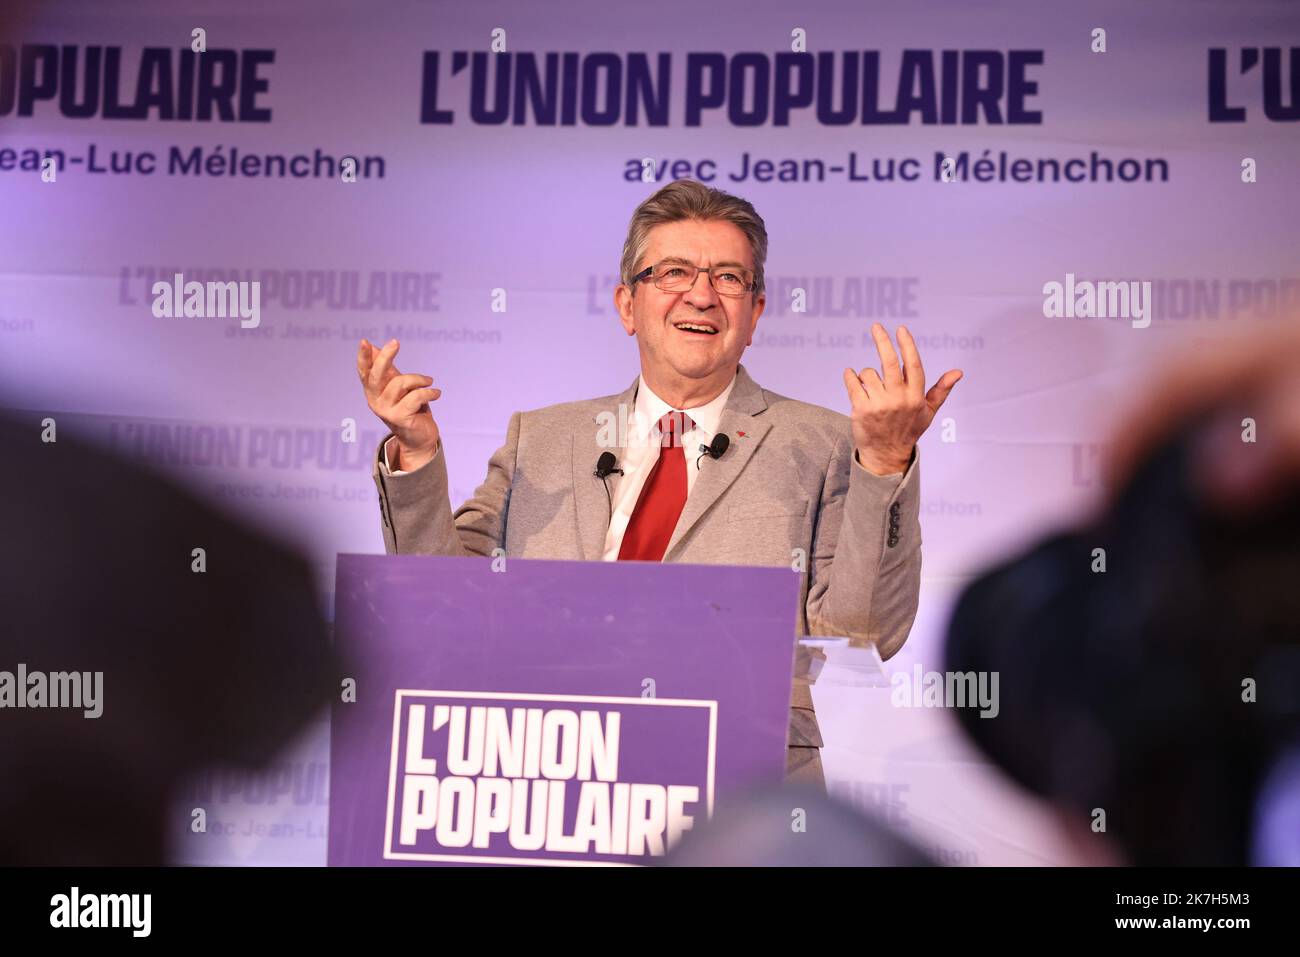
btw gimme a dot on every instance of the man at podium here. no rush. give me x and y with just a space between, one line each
693 462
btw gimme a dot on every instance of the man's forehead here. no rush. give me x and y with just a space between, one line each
715 243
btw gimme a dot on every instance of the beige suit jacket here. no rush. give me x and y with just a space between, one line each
788 492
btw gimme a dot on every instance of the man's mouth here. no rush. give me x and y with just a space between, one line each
697 328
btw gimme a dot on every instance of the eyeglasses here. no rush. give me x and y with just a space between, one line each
674 276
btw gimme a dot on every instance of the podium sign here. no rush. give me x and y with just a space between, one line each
548 712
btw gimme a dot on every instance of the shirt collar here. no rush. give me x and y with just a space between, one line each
650 409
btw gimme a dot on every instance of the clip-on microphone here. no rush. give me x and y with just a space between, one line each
605 468
714 449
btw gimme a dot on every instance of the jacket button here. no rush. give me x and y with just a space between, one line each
893 540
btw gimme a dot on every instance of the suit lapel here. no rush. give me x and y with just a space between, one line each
715 476
588 490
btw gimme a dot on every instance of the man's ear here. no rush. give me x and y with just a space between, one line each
759 305
623 303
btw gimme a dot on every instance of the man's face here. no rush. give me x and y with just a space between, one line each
655 316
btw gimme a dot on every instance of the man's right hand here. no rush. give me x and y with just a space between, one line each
401 402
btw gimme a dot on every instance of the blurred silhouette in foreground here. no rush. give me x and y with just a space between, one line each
220 667
792 826
1164 691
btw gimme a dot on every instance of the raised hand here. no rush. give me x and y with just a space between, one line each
890 408
401 402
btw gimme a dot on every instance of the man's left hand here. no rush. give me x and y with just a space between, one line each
891 408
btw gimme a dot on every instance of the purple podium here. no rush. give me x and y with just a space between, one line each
546 712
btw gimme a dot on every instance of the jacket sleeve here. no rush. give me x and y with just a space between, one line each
865 570
415 506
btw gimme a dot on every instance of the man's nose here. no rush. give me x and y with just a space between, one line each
702 294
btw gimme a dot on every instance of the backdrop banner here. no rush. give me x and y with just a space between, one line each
1051 197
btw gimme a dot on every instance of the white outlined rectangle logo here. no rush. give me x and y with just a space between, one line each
521 778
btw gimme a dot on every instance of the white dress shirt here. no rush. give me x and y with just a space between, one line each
643 444
642 452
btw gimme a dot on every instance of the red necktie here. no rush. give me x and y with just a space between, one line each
662 497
